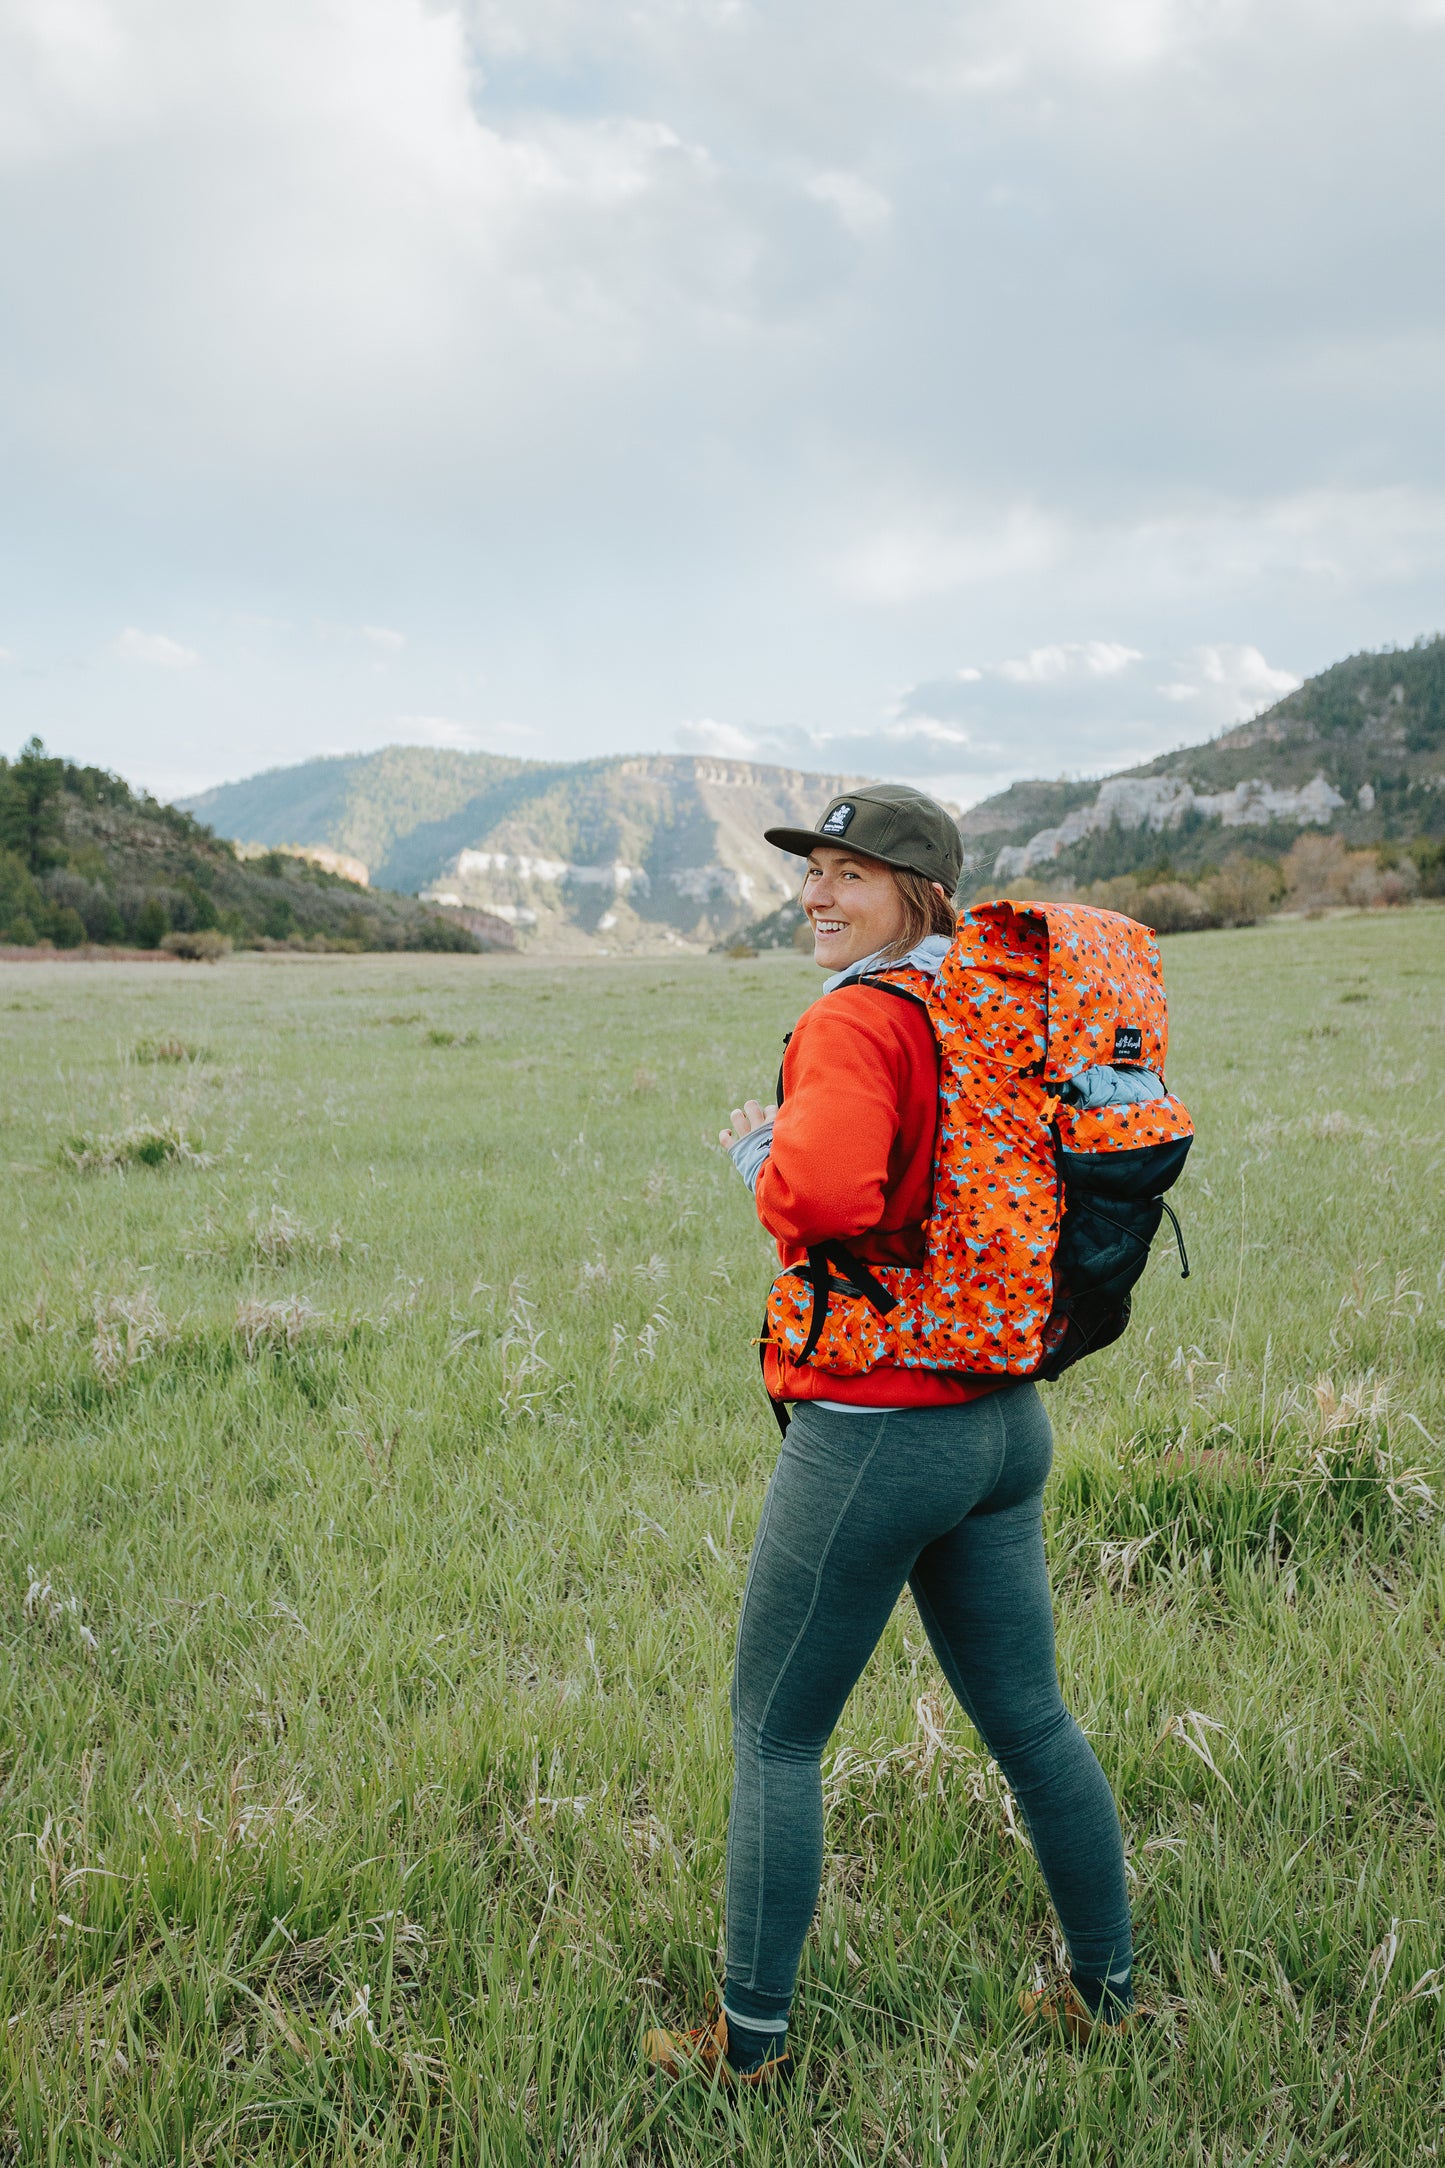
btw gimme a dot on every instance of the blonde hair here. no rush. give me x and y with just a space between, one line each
924 912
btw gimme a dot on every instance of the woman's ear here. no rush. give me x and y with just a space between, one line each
939 890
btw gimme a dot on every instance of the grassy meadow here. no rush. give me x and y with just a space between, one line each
381 1444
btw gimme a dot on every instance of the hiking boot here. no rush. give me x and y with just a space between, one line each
1065 2007
702 2053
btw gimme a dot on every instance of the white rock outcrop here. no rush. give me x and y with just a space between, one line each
1162 801
470 866
706 884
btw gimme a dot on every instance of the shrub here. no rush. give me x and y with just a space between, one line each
1174 907
440 934
21 903
1319 871
197 948
166 1050
67 927
152 924
1429 857
1167 906
1242 891
1397 885
87 896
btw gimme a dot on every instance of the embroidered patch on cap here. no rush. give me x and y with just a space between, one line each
837 822
1128 1042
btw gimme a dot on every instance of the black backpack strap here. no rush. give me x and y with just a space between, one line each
853 1273
778 1088
887 986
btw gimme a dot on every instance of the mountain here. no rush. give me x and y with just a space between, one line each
614 855
1358 752
85 858
632 853
389 810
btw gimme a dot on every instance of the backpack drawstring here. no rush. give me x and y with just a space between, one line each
1179 1238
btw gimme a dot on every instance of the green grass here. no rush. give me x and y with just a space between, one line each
377 1479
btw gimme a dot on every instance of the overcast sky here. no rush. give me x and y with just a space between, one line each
952 391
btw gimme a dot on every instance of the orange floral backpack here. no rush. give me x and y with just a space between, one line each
1048 1170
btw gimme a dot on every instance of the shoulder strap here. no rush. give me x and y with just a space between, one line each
778 1088
891 986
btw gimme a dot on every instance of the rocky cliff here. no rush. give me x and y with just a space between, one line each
1358 750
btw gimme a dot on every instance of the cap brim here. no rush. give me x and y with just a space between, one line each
802 842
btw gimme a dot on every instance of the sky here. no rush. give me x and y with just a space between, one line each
944 391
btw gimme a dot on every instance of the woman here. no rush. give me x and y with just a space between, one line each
899 1475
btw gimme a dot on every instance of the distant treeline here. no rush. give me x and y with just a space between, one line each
1316 873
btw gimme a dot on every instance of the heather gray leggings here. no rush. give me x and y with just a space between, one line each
950 1501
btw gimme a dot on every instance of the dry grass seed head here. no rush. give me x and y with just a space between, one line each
45 1608
129 1329
280 1237
280 1325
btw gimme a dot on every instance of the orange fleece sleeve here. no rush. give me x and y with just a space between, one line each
826 1176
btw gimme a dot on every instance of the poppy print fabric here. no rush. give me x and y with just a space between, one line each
1029 996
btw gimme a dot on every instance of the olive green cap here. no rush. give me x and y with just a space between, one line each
890 821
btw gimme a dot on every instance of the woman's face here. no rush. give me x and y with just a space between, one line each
853 906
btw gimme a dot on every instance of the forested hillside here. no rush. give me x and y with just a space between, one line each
1357 752
83 858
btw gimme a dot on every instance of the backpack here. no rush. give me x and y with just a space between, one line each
1056 1141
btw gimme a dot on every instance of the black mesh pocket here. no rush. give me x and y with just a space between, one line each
1112 1209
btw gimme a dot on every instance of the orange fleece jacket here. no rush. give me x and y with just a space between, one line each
852 1161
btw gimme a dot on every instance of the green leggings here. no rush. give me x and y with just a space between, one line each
950 1501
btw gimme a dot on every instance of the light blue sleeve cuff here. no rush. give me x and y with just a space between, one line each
749 1152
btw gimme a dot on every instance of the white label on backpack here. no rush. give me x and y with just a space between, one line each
837 822
1128 1042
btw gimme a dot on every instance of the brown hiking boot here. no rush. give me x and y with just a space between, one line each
703 2053
1065 2007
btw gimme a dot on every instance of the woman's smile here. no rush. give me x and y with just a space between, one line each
853 907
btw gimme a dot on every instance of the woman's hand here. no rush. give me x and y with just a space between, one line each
745 1119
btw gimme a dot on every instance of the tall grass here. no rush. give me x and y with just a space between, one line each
376 1490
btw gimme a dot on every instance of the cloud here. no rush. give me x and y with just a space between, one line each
724 739
1081 706
1069 658
861 210
926 730
155 648
932 552
1244 676
702 358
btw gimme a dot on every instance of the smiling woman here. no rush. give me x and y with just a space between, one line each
918 1476
858 907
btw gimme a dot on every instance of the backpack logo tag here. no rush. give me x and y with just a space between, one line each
1128 1042
837 822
